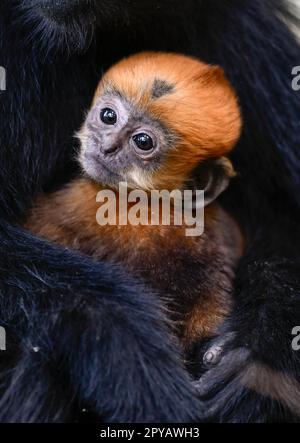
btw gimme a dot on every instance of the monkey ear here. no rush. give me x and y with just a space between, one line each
215 176
214 74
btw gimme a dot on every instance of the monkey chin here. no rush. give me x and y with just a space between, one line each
100 173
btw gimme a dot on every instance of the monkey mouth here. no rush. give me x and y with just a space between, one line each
99 171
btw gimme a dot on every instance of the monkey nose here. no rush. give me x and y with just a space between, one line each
112 149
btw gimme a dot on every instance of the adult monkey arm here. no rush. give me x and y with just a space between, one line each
92 342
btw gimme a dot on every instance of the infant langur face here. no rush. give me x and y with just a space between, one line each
119 140
155 118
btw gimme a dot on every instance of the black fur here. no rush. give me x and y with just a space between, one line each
100 338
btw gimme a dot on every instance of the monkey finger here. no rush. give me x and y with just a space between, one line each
227 368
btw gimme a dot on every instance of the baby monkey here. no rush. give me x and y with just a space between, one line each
158 121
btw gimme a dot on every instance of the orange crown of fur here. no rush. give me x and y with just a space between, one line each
201 106
196 103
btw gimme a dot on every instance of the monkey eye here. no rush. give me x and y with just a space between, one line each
143 141
108 116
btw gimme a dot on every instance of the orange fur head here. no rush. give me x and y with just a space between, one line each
193 100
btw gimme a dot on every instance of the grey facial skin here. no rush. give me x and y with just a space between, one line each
109 153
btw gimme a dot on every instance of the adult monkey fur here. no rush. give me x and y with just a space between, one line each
53 54
158 121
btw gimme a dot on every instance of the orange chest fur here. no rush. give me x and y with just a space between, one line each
193 273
